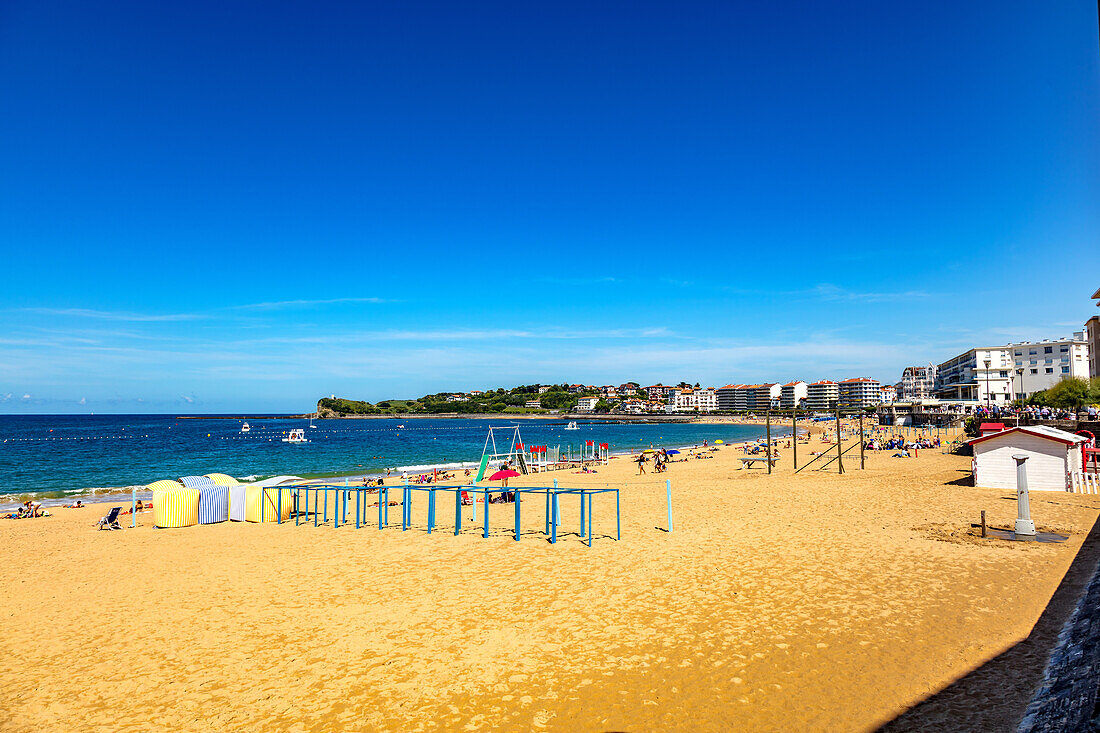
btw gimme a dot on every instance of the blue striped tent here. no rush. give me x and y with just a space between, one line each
197 482
213 504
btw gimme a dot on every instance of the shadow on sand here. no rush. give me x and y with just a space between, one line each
995 696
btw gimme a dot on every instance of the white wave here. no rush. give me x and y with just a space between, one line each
430 466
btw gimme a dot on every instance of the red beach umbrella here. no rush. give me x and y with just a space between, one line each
501 475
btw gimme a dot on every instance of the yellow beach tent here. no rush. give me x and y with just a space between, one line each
174 506
222 479
262 503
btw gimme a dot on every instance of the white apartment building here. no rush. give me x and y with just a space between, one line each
982 375
917 383
587 404
706 399
533 404
1043 364
822 396
889 394
791 394
859 392
999 374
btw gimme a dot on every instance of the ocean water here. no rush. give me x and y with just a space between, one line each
63 457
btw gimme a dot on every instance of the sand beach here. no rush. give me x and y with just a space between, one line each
785 602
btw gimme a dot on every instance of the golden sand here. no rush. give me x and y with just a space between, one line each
782 602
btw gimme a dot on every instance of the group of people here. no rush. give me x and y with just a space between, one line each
28 510
901 443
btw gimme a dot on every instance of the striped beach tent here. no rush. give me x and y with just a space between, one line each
175 507
237 507
262 503
222 479
162 485
213 504
195 482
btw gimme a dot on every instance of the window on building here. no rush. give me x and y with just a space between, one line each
1050 370
1034 371
1065 370
1032 351
1048 349
1064 348
1004 374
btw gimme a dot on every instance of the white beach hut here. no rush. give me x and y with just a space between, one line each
1053 456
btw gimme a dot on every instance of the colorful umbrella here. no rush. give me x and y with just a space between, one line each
672 451
719 441
506 473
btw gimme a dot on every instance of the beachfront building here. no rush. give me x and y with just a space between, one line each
576 388
792 394
587 404
822 396
1092 339
917 383
1052 457
1043 364
706 399
859 392
764 395
658 392
458 398
996 375
745 397
889 394
981 375
533 404
544 388
629 389
725 395
634 407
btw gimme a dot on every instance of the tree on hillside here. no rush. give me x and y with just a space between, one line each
1068 394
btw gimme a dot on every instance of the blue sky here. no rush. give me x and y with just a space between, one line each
245 206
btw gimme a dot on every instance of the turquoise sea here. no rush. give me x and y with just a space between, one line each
63 457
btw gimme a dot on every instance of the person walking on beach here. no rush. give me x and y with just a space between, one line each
641 464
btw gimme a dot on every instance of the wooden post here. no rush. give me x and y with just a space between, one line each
983 522
794 432
861 441
839 450
768 428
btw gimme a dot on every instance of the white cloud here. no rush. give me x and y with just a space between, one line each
116 315
26 396
307 303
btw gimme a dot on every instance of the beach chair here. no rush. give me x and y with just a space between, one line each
111 520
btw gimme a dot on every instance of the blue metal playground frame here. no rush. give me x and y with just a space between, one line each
552 503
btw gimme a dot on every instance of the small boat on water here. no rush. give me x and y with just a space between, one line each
296 436
572 426
311 422
245 428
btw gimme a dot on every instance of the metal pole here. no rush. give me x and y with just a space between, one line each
618 518
861 441
794 433
458 511
133 508
839 451
668 496
517 496
1024 525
